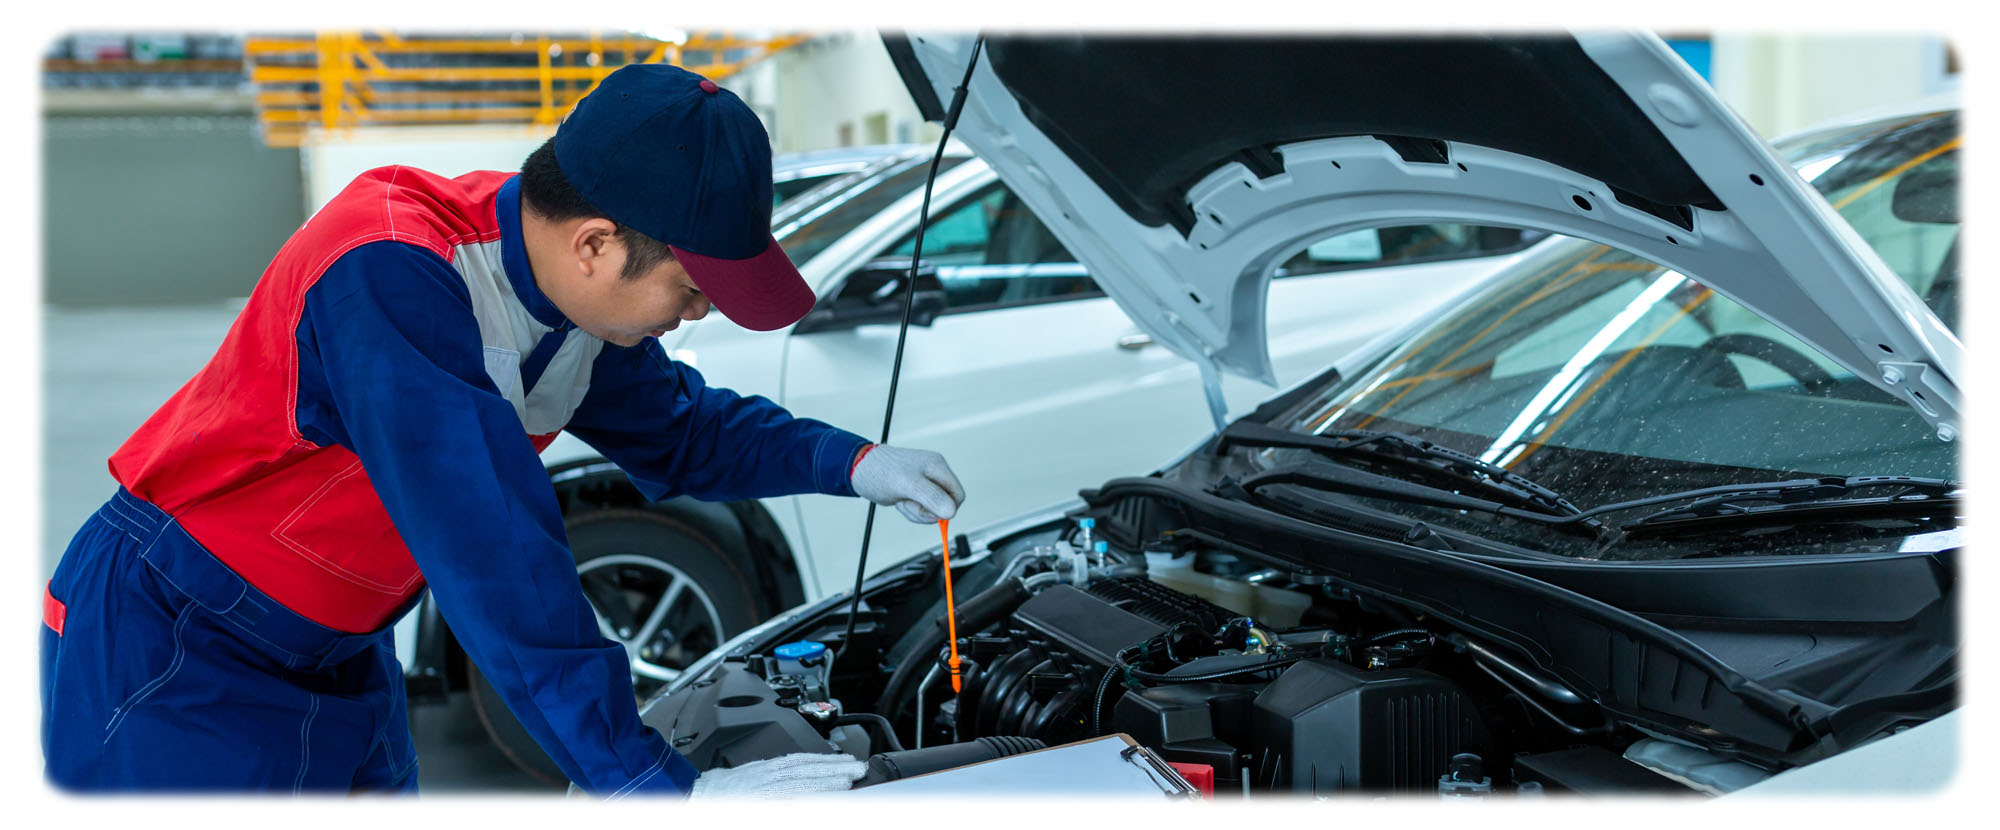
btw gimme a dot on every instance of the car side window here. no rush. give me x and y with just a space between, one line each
1404 245
785 190
992 252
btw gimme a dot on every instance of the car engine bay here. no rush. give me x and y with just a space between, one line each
1259 679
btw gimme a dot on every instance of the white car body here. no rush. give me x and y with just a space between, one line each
1022 401
1778 249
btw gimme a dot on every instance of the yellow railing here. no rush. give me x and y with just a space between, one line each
346 79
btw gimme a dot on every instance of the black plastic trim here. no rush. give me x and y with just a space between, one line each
1634 668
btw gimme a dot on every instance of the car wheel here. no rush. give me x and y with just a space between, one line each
662 589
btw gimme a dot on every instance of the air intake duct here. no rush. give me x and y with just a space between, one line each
891 766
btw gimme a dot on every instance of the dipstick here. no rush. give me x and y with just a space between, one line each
950 606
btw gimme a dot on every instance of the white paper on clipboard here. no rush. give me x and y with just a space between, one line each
1112 766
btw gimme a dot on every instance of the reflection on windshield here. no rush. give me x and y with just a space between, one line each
1508 446
1601 352
1607 377
808 234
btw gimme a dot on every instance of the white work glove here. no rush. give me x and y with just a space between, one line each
780 777
916 482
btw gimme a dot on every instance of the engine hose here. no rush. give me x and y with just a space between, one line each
983 609
1014 710
1007 674
1097 702
883 731
920 659
892 766
1214 675
1062 704
1390 635
987 607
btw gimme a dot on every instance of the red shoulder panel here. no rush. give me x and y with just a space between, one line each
224 454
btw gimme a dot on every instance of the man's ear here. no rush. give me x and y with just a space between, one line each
593 243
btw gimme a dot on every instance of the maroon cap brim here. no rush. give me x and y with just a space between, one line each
760 293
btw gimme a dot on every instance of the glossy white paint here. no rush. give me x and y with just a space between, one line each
1779 250
1027 403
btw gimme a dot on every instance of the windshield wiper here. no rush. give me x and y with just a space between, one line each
1410 452
1341 479
1795 501
1719 508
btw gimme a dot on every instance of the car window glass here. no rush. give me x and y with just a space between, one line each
1899 190
1403 245
991 251
781 191
805 236
1600 351
1608 377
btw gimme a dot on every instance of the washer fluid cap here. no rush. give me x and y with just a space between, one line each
801 650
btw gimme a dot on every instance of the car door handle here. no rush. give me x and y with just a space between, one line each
1134 342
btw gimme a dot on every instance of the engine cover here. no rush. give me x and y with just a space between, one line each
1084 625
1324 727
730 718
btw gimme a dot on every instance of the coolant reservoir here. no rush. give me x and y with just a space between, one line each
1275 607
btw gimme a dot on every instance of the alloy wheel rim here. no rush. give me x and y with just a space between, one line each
662 616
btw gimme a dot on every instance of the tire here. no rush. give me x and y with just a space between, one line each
626 558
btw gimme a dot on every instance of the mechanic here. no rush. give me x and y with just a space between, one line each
371 425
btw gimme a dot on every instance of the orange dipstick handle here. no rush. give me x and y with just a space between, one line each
950 605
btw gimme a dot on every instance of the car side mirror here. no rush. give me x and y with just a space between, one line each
873 295
1928 194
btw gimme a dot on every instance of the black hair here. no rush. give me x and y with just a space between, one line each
549 194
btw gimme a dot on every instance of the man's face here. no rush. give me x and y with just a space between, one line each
580 263
626 311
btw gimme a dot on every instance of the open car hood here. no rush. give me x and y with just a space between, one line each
1180 171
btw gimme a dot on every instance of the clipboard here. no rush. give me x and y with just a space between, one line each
1111 766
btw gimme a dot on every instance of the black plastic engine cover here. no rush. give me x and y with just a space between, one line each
730 718
1084 625
1160 603
1197 723
1325 726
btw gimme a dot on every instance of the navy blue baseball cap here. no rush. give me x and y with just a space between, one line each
684 161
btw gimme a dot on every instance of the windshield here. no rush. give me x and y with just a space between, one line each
808 234
1606 377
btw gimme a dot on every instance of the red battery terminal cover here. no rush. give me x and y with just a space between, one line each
1202 776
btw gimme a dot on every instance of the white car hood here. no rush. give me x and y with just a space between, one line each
1181 170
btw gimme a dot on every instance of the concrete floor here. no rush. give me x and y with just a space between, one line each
104 372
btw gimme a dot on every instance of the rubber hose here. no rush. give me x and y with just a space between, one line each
1045 717
1097 703
885 732
891 766
1014 710
906 672
987 607
1007 674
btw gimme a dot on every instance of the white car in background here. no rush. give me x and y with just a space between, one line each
1019 369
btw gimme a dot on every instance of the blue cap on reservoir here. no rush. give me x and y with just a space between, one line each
791 655
799 650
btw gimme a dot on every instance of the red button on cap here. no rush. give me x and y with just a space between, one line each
709 87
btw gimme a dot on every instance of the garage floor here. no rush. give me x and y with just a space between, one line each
104 371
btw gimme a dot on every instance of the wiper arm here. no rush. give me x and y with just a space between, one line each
1798 500
1339 479
1408 450
1719 507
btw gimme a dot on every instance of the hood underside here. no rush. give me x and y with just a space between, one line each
1181 171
